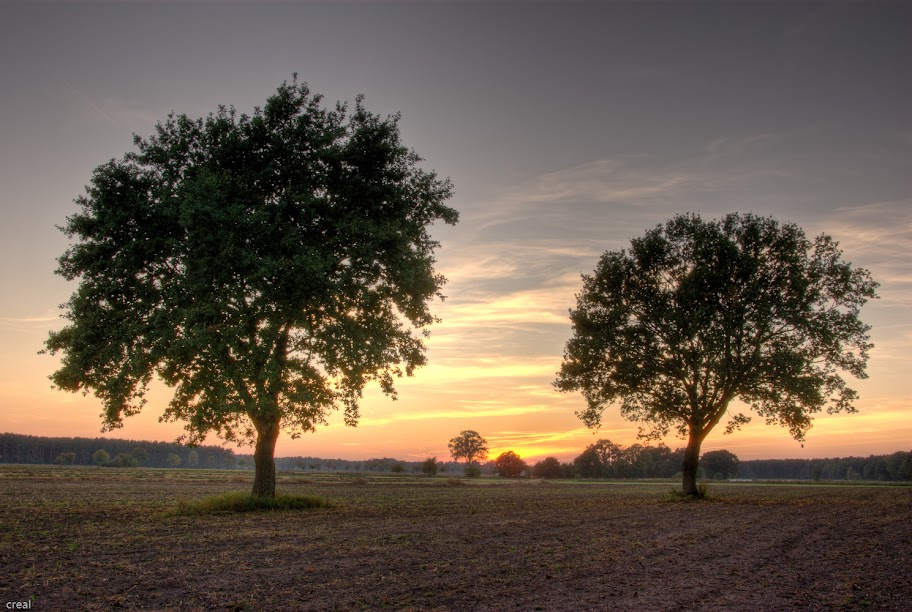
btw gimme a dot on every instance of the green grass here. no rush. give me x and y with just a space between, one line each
245 502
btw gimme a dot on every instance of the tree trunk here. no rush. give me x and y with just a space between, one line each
691 462
264 480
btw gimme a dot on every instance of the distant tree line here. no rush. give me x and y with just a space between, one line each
19 448
377 465
886 468
603 459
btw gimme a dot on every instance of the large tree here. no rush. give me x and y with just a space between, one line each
266 267
699 313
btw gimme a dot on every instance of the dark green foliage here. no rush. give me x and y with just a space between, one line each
549 467
698 313
66 458
18 448
885 468
605 459
510 465
266 267
122 460
720 462
139 453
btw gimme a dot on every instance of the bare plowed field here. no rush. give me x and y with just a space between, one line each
104 539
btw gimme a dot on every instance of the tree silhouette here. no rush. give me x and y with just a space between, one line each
697 314
720 462
468 445
266 267
509 464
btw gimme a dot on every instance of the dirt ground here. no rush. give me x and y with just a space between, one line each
103 539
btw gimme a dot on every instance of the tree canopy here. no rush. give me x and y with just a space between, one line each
266 267
699 313
720 463
468 445
509 464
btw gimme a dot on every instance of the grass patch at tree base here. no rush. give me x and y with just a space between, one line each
702 494
245 502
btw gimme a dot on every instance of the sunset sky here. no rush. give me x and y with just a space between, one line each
567 130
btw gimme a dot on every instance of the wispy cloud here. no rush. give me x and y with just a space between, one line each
467 411
30 324
880 234
113 110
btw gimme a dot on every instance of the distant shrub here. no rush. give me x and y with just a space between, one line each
66 458
121 460
100 457
429 466
472 471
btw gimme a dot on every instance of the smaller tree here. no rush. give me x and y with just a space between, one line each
549 467
139 453
468 445
174 460
429 466
193 459
100 457
721 462
697 315
66 458
589 464
509 464
121 460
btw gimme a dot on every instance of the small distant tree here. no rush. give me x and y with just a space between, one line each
122 460
100 457
549 467
193 459
66 458
174 460
397 468
722 462
429 466
509 464
469 445
698 314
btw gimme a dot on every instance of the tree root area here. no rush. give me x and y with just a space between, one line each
110 541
